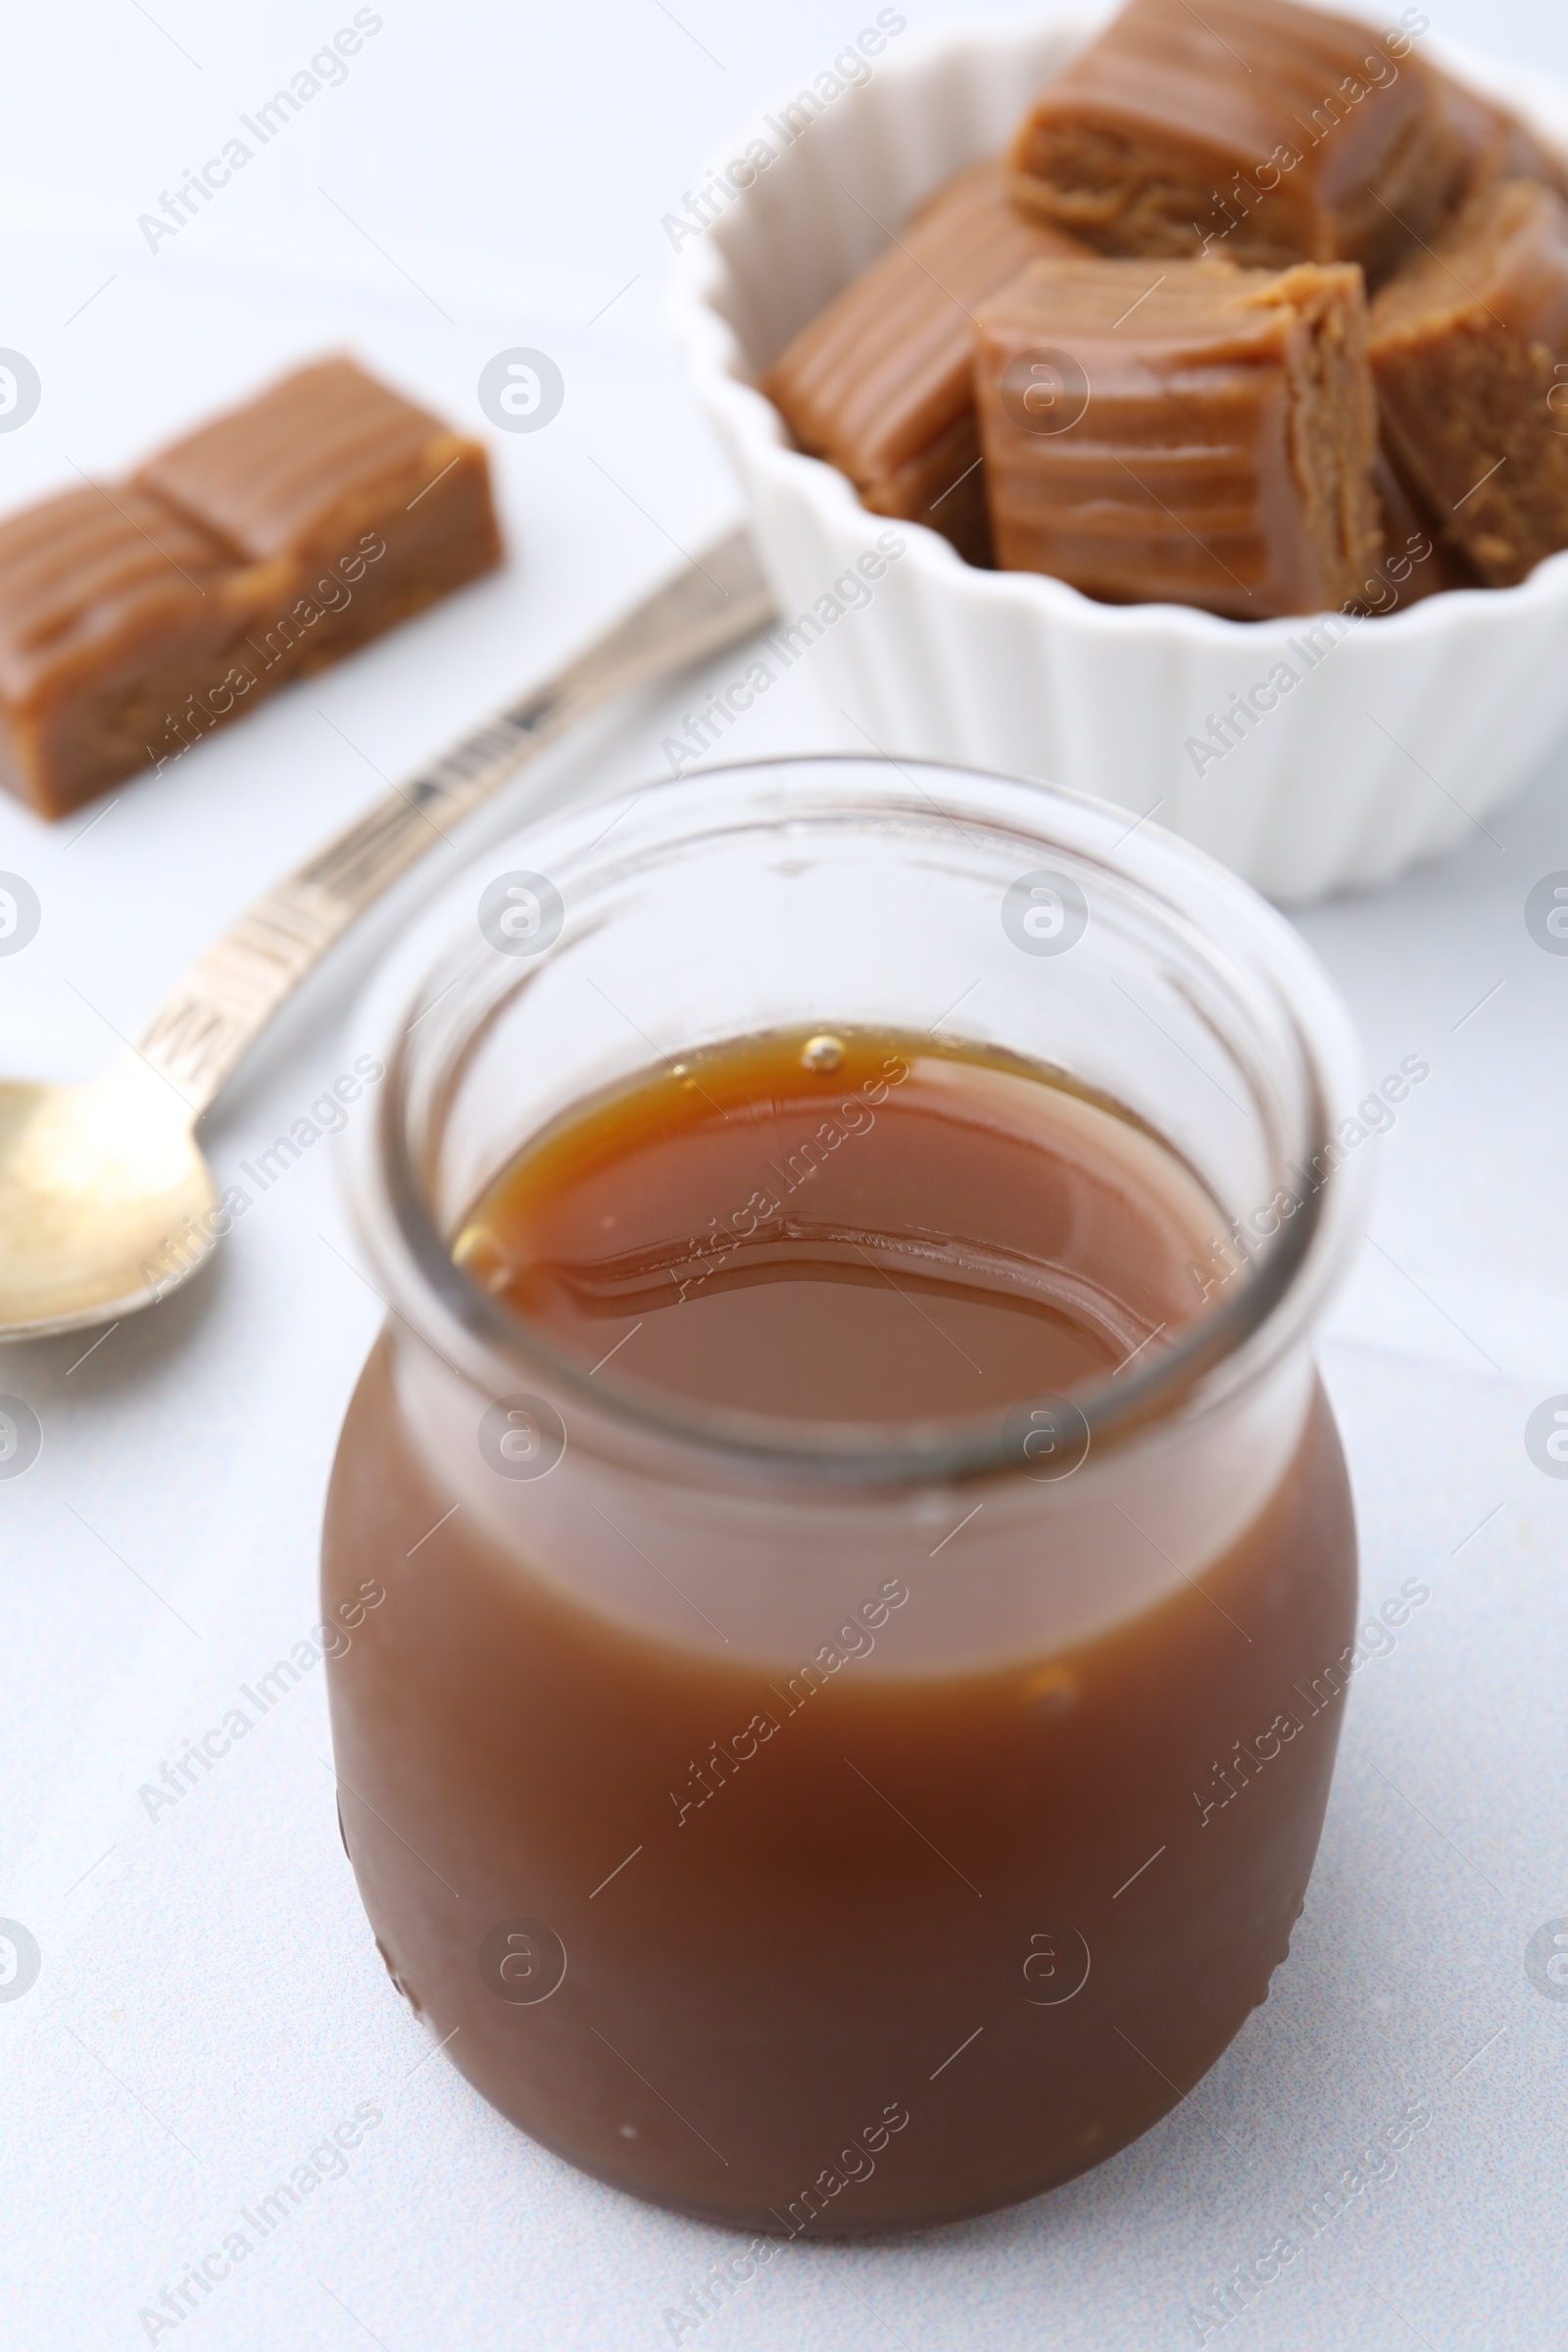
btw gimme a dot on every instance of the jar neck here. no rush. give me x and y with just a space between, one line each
1275 1258
675 1546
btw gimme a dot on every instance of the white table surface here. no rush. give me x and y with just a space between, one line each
209 2003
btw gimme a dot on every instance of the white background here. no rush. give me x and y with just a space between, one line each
209 2003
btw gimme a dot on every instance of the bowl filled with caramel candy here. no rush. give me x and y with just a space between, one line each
1176 409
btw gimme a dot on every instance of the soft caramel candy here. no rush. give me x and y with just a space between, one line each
1189 434
1417 560
1495 144
322 457
1469 346
110 606
137 617
1268 131
880 382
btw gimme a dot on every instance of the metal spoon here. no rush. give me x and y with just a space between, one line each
106 1202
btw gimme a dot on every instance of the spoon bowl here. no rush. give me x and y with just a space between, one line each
103 1193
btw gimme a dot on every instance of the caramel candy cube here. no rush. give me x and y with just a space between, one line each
1492 143
1260 130
1189 434
318 471
1419 561
1469 348
113 608
137 617
880 382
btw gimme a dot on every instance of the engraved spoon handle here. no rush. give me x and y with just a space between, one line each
222 1001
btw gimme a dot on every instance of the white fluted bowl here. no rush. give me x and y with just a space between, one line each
1390 751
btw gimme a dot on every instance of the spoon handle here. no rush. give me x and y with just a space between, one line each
220 1006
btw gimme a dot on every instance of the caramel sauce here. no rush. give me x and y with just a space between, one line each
846 1228
840 1937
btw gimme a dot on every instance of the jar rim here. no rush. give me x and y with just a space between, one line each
1282 1295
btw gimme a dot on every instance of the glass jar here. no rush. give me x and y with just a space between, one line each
849 1828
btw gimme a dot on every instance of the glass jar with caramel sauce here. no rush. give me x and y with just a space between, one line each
848 1733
